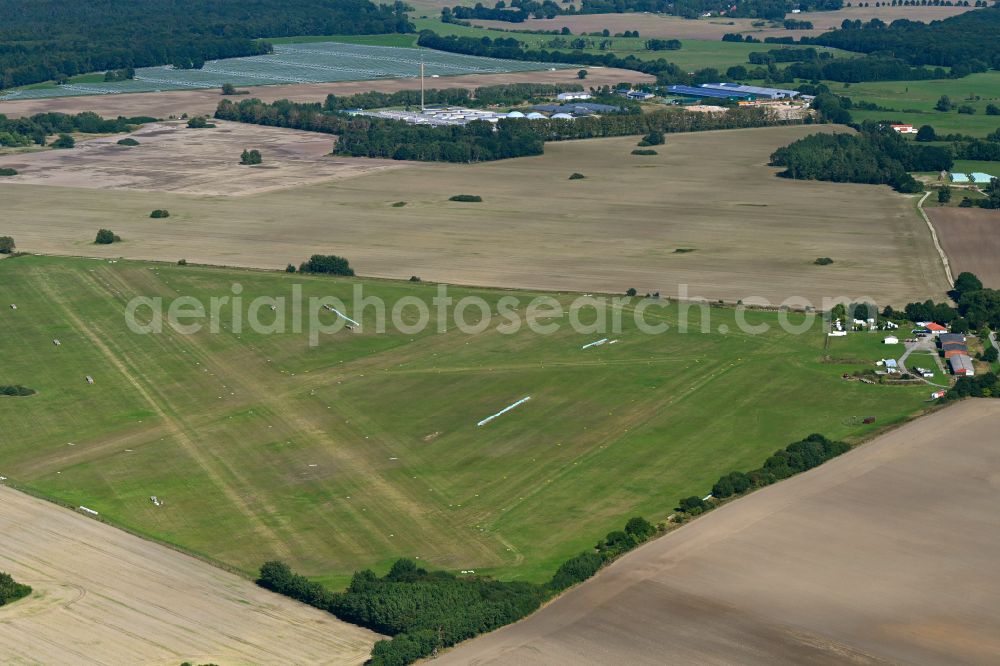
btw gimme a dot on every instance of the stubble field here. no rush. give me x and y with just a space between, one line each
101 596
365 447
705 212
171 157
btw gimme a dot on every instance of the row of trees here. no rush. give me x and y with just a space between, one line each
511 93
15 132
364 136
517 11
424 610
509 48
52 39
18 391
876 155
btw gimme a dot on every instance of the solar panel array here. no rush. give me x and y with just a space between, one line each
318 62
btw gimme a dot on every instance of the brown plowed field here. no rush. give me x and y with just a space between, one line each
971 239
884 555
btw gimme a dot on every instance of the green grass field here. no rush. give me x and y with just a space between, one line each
913 102
365 448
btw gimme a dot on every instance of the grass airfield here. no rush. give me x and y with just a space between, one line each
365 447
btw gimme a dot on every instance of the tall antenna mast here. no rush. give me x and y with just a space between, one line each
421 82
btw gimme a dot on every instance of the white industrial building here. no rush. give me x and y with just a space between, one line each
571 96
757 91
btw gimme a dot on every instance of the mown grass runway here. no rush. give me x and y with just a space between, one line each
365 447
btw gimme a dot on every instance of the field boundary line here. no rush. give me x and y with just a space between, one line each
937 244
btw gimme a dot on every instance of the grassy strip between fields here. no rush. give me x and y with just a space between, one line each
425 611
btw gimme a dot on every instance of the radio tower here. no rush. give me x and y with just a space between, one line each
421 83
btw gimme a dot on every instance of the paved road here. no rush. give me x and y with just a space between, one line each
921 345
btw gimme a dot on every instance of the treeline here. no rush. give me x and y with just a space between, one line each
35 129
511 49
476 142
976 307
798 457
869 68
42 40
424 610
11 590
876 155
517 11
787 55
967 42
364 136
511 93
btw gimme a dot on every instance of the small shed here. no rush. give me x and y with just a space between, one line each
90 380
891 340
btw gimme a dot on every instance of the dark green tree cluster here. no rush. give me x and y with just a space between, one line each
18 132
7 171
124 74
424 610
877 155
478 141
966 43
16 390
106 237
42 40
976 306
867 68
805 454
512 93
7 245
159 214
329 264
663 44
467 198
786 55
11 590
251 157
986 385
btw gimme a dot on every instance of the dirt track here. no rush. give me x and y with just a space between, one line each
102 596
969 238
194 102
885 555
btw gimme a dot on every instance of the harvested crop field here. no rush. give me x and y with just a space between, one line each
705 211
970 238
193 102
884 555
172 157
103 596
661 25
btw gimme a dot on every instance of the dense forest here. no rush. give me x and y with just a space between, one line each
876 155
42 40
364 136
517 11
37 128
967 42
